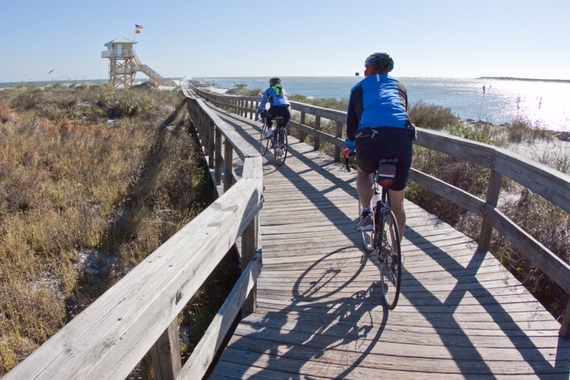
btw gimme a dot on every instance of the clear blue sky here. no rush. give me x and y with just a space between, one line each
201 38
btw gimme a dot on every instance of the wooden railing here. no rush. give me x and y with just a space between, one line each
152 75
139 314
550 184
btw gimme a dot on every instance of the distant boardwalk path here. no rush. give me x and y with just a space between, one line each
320 314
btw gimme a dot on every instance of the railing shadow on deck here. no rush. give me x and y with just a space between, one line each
549 183
139 313
468 284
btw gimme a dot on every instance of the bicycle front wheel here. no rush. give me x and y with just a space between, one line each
264 142
389 259
281 147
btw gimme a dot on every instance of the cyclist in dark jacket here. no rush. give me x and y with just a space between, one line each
378 126
279 104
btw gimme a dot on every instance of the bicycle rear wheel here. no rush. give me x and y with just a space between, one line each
389 259
281 147
264 142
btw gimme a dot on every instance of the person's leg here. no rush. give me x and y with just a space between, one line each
364 187
286 115
268 119
365 192
397 204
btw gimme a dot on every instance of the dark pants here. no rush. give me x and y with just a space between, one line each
374 144
275 111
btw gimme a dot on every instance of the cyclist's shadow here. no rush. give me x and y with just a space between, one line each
321 325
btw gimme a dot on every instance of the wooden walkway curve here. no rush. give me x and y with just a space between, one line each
320 315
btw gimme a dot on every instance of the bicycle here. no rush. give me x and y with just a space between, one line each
278 140
388 253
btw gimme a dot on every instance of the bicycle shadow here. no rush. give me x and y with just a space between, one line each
325 325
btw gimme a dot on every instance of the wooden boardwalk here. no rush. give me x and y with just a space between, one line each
320 314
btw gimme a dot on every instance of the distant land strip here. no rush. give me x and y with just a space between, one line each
528 79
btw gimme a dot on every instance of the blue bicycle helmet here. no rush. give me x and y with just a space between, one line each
380 61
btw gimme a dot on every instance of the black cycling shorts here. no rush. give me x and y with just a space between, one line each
374 144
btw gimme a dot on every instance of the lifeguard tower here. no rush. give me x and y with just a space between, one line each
124 64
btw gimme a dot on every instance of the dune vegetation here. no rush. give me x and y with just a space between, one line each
90 184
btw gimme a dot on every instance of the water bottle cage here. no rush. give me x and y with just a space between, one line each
386 174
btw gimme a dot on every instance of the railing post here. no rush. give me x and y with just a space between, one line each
565 327
302 135
228 166
317 142
211 142
337 149
202 129
165 354
492 198
250 244
218 159
205 135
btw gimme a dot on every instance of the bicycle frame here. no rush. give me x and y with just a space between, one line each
388 253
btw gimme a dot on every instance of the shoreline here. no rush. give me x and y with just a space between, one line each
527 79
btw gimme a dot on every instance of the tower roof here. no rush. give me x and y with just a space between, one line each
121 40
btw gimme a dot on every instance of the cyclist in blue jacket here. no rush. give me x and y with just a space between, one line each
377 127
276 96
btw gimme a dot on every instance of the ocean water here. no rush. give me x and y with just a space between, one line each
545 104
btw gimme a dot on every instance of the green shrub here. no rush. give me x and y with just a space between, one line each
432 116
522 130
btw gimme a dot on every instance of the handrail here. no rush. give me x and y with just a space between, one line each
151 74
139 314
549 183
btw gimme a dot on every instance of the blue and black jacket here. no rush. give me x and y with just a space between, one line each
276 97
377 101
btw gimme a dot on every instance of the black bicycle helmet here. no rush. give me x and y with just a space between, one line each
274 81
380 61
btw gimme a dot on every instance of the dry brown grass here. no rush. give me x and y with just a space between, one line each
83 199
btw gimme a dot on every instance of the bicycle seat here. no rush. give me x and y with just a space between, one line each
279 121
386 172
